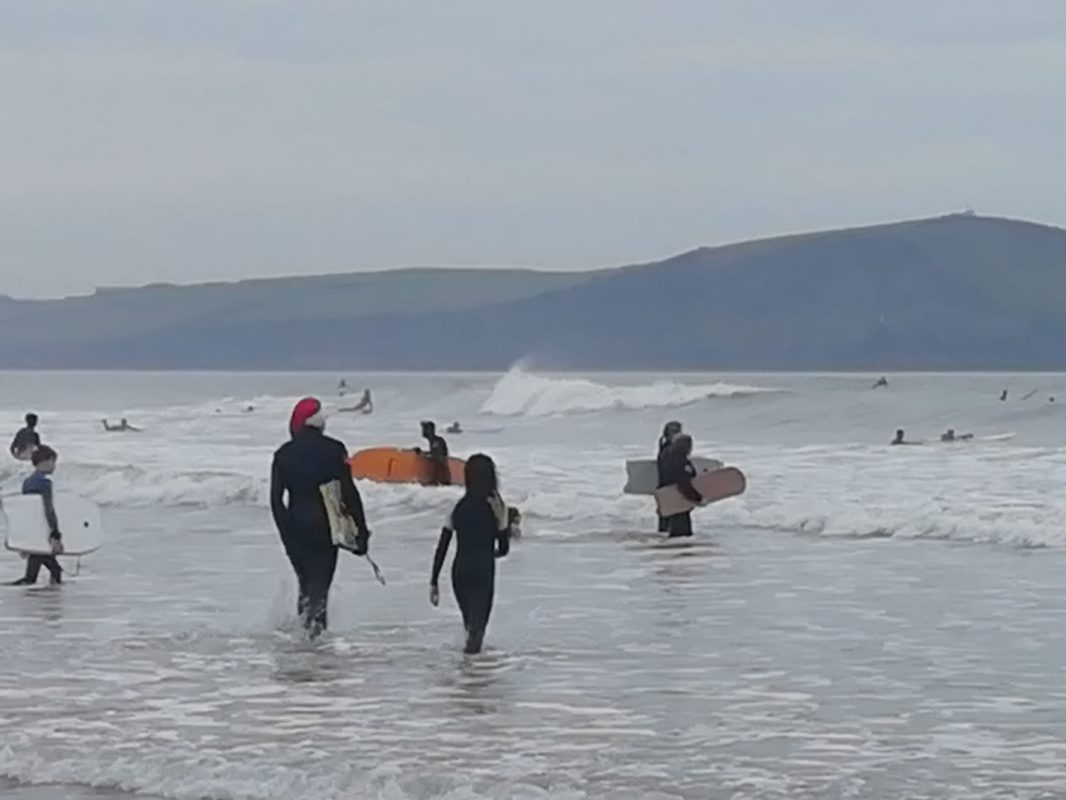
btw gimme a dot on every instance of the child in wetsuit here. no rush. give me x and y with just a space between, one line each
44 464
481 523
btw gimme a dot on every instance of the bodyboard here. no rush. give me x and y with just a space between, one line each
714 486
27 529
642 475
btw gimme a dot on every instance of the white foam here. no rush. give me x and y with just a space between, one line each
521 393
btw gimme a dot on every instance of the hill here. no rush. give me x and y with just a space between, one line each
954 292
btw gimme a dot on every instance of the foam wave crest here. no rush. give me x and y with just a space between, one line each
521 393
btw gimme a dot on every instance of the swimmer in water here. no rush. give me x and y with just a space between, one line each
122 427
455 427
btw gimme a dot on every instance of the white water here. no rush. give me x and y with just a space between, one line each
865 621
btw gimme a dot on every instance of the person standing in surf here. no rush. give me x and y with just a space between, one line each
437 455
26 440
670 430
480 523
308 461
677 470
44 464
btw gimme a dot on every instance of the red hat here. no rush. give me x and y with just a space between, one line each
308 412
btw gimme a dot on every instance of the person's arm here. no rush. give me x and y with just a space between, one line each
277 500
50 512
15 446
503 542
438 564
679 477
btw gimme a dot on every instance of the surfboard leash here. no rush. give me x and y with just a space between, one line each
376 568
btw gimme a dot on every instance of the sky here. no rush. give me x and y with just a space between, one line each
145 141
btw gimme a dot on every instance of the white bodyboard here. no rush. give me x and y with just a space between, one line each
341 526
27 529
642 475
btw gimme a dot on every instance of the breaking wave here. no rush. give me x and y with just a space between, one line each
520 393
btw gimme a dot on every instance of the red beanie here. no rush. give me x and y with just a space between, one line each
308 412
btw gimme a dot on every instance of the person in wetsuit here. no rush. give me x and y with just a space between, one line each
480 523
26 440
308 461
44 464
670 430
677 470
437 455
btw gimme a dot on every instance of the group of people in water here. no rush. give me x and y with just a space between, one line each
481 523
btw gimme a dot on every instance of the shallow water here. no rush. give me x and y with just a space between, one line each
764 659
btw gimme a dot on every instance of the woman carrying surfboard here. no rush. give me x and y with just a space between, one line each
480 523
302 466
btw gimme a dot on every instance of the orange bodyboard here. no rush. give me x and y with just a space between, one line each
393 465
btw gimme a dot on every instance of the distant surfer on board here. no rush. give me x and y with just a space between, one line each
26 440
455 427
481 524
901 438
882 383
951 436
44 464
122 427
677 470
437 455
671 430
302 466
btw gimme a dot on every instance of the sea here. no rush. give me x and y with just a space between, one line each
866 621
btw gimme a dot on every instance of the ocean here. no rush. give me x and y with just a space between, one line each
866 621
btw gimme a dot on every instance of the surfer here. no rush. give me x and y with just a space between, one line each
1003 397
44 464
900 437
455 427
670 431
342 387
308 461
364 406
122 427
437 455
677 470
882 383
951 436
480 523
26 440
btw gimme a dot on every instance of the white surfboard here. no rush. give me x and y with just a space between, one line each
27 529
643 474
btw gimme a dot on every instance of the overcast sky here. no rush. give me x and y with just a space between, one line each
216 139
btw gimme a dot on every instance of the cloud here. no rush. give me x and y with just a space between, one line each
197 140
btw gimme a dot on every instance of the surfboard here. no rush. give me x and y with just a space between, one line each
341 526
714 486
642 475
27 528
393 465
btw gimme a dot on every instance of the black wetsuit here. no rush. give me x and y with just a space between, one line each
25 440
39 483
301 466
438 457
676 469
664 448
479 542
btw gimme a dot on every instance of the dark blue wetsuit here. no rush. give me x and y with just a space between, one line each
301 467
39 483
479 542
